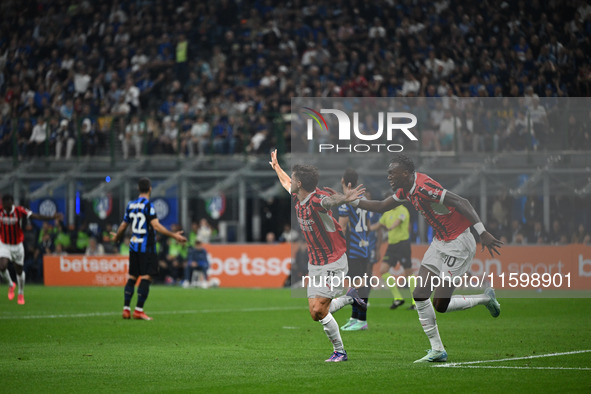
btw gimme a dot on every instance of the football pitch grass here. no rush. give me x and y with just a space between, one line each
249 340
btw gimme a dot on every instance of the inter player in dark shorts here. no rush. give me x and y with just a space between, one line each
355 224
143 262
450 253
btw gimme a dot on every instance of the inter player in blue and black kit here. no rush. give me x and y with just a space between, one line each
142 249
356 222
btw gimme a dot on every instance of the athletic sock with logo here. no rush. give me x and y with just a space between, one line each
331 328
142 293
129 289
429 323
20 281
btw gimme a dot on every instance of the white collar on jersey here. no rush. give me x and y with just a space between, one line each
414 184
309 196
11 211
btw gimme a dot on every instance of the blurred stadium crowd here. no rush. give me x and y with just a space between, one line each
217 76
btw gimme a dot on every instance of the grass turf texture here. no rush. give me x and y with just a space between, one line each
221 340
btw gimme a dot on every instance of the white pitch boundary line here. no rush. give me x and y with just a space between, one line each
466 363
15 317
507 367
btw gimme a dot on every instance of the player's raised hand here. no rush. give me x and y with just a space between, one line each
490 242
273 161
352 194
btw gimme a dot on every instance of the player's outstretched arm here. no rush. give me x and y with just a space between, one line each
164 231
36 216
376 205
467 210
282 175
349 195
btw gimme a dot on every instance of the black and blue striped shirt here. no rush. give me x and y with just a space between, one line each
358 234
140 214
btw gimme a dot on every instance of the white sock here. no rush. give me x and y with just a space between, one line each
461 302
6 275
429 323
331 328
20 281
338 303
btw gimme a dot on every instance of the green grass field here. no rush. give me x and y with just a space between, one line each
242 340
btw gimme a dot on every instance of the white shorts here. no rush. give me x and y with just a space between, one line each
14 253
453 258
327 280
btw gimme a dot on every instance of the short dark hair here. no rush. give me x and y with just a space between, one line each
404 161
144 185
306 174
351 177
6 198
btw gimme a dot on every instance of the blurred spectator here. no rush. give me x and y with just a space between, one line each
197 261
270 238
63 238
107 239
38 138
205 232
557 235
537 234
94 248
64 136
134 135
200 135
288 234
579 235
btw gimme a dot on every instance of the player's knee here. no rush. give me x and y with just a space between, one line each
420 294
441 304
317 313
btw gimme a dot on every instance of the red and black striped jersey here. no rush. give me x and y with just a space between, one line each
324 237
427 195
11 231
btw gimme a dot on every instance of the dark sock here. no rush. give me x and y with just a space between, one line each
355 314
142 292
129 288
363 314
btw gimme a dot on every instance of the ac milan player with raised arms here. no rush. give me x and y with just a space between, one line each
450 252
11 243
326 247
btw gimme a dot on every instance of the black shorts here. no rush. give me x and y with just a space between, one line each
398 252
359 267
142 264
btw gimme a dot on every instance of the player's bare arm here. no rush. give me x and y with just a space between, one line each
118 236
164 231
282 175
464 207
343 222
378 206
351 194
57 215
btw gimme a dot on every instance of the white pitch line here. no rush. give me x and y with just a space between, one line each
15 317
506 367
510 359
